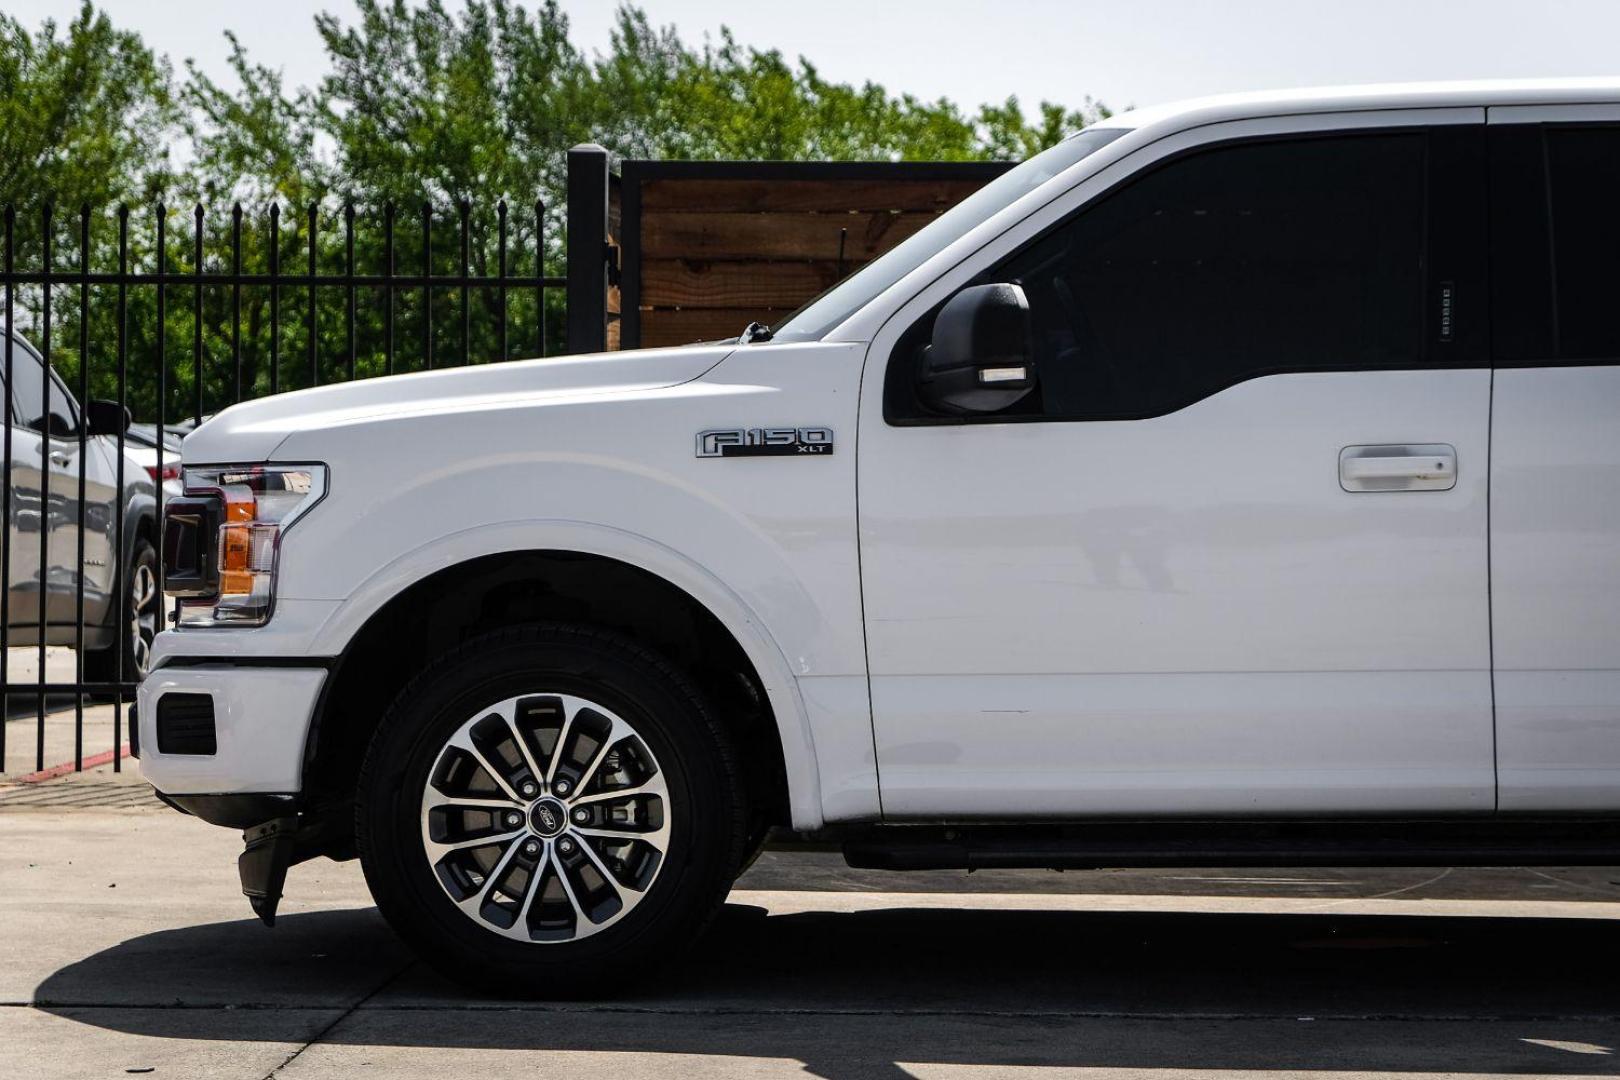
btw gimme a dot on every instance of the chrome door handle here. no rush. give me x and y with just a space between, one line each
1398 467
61 457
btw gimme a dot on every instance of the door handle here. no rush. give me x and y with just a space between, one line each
1398 467
63 458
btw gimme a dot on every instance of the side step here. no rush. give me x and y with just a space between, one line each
1477 842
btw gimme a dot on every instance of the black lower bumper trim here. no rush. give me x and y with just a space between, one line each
234 811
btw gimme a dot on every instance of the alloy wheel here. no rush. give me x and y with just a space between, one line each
545 818
143 617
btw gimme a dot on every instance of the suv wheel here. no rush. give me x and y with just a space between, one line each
550 811
143 607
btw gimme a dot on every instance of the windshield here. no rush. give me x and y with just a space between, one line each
815 319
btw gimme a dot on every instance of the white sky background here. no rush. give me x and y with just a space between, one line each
1123 52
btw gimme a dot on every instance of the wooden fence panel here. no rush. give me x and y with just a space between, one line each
710 247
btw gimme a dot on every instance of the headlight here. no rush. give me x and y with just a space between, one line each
222 538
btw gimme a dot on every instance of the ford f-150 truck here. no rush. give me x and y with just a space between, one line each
1234 483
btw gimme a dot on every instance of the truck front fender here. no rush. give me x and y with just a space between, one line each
511 537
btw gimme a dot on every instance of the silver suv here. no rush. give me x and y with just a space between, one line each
45 517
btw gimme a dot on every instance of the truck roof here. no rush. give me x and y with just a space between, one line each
1432 95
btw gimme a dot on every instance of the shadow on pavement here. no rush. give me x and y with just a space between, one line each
857 994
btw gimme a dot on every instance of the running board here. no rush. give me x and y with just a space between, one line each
1483 842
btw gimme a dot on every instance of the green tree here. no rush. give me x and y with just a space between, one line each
422 109
86 116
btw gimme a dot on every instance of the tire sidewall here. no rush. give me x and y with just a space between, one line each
664 713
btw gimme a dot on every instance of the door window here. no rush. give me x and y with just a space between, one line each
28 402
1556 224
1228 264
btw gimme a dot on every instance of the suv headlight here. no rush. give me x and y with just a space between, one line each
222 538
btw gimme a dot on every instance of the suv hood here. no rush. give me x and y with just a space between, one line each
253 430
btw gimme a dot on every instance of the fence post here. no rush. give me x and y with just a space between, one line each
587 248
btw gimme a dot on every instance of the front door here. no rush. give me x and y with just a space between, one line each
1207 567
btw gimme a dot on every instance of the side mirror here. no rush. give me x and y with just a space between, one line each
982 357
105 418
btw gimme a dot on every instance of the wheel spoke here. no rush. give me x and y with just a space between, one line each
522 745
616 734
521 924
657 839
601 867
653 785
434 798
446 847
141 652
580 919
143 588
562 741
464 742
474 905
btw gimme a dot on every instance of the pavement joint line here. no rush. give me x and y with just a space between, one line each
990 1014
168 1006
344 1015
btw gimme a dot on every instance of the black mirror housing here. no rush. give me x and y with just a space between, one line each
105 418
981 358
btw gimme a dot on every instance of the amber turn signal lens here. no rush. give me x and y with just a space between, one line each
235 548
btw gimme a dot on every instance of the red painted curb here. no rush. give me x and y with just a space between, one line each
67 766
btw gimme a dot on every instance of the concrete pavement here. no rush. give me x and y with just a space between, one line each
64 734
124 945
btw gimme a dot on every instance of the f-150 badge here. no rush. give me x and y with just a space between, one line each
764 442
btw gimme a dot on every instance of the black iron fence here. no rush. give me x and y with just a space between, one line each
175 316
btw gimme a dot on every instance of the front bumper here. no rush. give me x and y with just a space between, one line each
261 718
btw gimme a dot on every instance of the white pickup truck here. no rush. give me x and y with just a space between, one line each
1235 483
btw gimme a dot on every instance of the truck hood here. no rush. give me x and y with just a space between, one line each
253 430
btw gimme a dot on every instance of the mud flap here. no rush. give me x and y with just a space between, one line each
263 864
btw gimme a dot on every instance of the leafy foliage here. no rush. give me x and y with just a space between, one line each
421 107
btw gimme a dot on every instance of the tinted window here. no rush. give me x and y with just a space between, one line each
1583 170
1555 231
1225 265
28 401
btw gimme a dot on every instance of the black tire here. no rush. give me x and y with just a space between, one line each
142 608
706 808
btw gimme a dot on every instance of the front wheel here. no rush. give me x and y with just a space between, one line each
135 625
549 811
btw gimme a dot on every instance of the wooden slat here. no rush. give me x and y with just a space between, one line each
826 196
692 283
685 235
700 324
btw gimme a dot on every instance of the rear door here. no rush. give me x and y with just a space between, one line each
1187 576
45 464
1555 455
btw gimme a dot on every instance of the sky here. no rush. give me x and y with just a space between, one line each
1122 52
